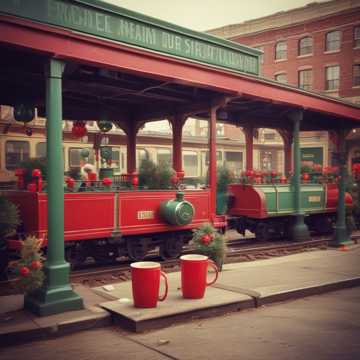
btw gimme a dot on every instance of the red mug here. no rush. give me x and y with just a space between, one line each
194 270
145 279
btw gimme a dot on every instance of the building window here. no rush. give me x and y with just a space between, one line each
332 75
16 152
40 150
282 78
357 37
281 50
305 46
115 160
333 41
141 154
191 163
76 160
305 79
163 156
234 161
356 75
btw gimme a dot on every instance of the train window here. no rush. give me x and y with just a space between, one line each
234 161
40 150
163 156
16 152
191 163
75 159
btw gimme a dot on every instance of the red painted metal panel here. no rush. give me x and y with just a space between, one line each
86 215
139 210
248 201
70 45
89 215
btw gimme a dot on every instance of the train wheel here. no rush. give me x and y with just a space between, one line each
262 231
137 249
171 248
323 225
74 257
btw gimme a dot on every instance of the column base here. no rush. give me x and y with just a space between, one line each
56 296
341 237
299 230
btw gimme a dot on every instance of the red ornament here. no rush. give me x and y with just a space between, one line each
135 181
206 239
273 174
79 129
283 179
249 173
106 181
306 177
70 182
24 271
35 264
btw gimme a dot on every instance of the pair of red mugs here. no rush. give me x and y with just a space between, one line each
145 278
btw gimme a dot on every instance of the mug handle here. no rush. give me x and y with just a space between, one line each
213 265
162 298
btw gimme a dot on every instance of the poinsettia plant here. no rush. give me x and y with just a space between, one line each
209 242
30 266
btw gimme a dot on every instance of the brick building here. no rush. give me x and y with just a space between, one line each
315 47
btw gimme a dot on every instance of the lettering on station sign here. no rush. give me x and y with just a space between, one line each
81 16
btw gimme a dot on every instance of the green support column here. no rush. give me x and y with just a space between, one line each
299 230
341 236
56 295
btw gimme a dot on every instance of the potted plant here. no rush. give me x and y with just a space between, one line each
153 176
32 164
106 171
211 243
9 220
224 177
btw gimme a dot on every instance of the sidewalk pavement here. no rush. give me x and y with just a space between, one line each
240 286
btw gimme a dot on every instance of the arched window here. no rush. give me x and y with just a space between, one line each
306 45
281 77
333 41
280 50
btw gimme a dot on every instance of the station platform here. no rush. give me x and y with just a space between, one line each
239 286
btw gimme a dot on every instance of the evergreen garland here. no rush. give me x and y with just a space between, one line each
30 267
210 243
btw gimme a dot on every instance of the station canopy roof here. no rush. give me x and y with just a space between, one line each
126 66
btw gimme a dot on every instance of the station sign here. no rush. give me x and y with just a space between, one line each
110 22
312 155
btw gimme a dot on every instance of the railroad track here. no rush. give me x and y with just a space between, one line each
245 249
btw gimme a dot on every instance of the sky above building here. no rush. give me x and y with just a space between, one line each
203 15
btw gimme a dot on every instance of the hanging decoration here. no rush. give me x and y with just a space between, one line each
28 131
24 113
79 129
84 153
104 125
